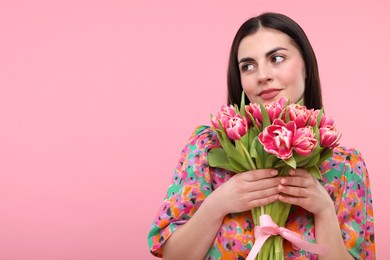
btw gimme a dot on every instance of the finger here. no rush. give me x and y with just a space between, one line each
299 201
256 175
263 184
259 194
299 172
264 201
298 181
293 191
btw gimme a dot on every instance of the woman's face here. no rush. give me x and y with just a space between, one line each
271 67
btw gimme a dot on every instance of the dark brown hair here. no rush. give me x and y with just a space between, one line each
312 96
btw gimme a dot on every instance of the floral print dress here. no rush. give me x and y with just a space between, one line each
345 178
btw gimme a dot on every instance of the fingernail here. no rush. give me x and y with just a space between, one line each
291 172
274 172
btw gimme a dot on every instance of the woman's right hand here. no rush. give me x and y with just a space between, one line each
246 190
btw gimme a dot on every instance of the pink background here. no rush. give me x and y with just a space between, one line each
97 99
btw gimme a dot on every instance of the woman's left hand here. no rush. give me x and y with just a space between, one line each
302 189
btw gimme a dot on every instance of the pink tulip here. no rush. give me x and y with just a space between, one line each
223 115
313 119
274 108
329 137
304 141
236 127
326 122
254 110
277 138
282 101
299 114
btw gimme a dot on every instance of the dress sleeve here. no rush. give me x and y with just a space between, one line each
191 184
354 209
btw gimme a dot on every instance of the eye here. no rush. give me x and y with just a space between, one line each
247 67
277 58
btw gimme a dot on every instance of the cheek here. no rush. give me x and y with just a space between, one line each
295 78
247 84
249 88
294 75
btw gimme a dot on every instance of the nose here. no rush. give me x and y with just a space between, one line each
264 74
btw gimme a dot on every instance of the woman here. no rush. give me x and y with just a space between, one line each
206 213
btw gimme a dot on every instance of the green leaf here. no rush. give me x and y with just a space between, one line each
304 162
244 157
242 105
316 131
264 113
224 139
254 154
236 161
253 123
326 154
284 109
287 116
317 150
235 155
300 158
291 162
238 164
260 151
313 161
281 164
315 172
253 133
319 117
247 155
245 140
227 145
300 102
217 158
220 128
270 161
236 109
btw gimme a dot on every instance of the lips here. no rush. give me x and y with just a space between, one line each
269 93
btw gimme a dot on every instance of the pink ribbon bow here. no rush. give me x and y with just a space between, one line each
269 228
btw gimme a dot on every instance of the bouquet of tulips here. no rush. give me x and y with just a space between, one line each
275 135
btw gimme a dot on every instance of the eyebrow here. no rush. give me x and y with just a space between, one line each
267 54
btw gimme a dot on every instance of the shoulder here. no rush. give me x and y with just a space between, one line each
346 161
204 137
351 157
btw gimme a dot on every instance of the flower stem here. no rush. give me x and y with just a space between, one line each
248 157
